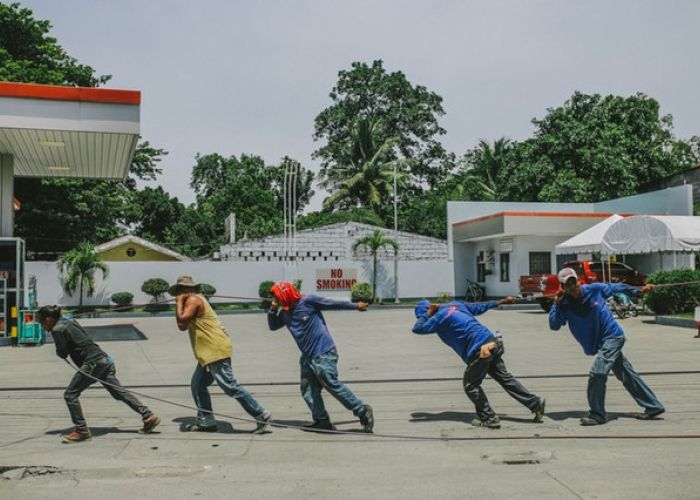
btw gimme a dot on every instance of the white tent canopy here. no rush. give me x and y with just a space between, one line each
638 234
653 233
590 240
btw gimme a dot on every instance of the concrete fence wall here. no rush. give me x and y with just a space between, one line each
416 278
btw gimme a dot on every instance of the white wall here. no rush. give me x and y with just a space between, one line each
416 278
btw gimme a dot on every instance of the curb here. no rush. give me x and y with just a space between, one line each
671 321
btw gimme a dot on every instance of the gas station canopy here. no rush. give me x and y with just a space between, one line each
53 131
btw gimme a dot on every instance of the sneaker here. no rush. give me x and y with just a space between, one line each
492 423
591 421
649 416
320 425
262 422
539 411
367 419
198 428
76 436
149 424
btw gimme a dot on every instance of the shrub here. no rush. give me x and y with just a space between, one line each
673 299
264 289
361 292
207 289
155 287
297 283
122 298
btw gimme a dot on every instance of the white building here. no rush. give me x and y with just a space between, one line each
494 243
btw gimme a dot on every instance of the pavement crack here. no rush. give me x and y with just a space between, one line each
564 485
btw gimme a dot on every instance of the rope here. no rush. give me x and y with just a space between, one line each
404 437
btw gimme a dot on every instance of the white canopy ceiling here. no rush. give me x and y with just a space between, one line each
590 240
637 235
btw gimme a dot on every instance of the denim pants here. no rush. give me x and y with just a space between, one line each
321 372
610 357
474 375
102 369
222 372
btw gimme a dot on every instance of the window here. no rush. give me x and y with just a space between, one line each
480 269
505 267
540 263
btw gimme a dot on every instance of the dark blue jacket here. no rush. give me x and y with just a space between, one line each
307 324
590 320
456 325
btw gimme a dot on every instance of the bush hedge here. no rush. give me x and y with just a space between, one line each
264 289
155 287
207 289
673 299
122 298
361 292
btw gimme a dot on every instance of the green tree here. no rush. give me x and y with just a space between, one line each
77 270
373 244
247 187
409 114
591 149
483 165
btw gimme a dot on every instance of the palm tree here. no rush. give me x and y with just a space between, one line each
367 176
77 268
486 161
374 243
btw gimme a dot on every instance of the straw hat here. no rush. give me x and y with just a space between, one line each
183 281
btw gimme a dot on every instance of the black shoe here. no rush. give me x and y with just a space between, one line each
263 420
591 421
198 428
539 411
649 416
320 425
367 419
492 423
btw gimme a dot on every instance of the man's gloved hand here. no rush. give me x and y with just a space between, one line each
432 309
486 350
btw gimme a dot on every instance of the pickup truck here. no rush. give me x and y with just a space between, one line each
541 287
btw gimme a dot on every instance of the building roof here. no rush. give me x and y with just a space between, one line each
130 238
503 224
58 131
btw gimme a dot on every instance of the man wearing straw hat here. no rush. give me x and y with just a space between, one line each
212 349
592 324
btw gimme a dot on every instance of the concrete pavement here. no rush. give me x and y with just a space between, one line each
413 383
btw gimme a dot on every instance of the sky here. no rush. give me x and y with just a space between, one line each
236 76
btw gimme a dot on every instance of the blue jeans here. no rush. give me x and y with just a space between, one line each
220 371
321 372
610 357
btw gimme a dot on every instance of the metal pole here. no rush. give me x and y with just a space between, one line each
396 256
284 203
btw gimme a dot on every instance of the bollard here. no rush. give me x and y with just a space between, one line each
697 321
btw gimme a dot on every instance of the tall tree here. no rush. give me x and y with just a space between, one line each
247 187
77 268
483 165
409 114
373 244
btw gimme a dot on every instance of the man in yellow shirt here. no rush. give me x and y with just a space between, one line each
212 348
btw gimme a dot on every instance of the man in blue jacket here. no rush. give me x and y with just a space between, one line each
457 327
592 324
302 315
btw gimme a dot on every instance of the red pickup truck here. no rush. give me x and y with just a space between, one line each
541 287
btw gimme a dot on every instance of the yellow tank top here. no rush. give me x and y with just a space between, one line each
208 337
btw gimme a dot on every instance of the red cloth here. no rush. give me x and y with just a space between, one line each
286 294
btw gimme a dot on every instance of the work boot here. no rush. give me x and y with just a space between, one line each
320 425
76 436
367 419
590 420
492 422
149 424
262 422
539 411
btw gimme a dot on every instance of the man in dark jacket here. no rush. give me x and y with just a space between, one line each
592 324
319 358
71 340
480 349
